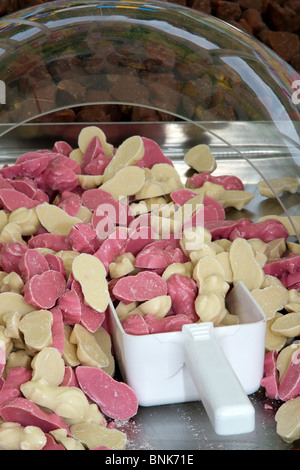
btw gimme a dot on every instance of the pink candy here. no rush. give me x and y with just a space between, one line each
115 399
51 241
43 290
94 160
11 387
23 411
244 228
62 147
11 256
270 380
152 257
228 182
135 325
57 330
183 292
166 324
101 202
83 238
89 318
31 263
144 286
70 306
11 199
112 247
160 254
51 444
153 155
289 386
138 239
266 231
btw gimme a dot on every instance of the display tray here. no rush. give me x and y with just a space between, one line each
186 426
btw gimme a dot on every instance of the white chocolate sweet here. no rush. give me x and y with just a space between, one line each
207 266
36 328
3 219
210 307
207 249
48 365
270 281
84 214
122 265
123 310
294 247
92 435
12 232
224 259
5 342
278 186
26 219
19 358
193 238
77 155
87 134
235 198
13 436
68 257
158 306
125 182
128 153
11 282
210 189
12 322
271 299
276 248
284 359
162 179
55 220
148 205
287 325
90 181
244 265
273 341
88 350
104 341
214 283
185 269
68 402
70 349
288 420
200 158
90 273
61 436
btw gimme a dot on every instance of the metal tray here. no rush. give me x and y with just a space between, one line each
186 426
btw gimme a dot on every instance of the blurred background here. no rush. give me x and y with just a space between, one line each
275 23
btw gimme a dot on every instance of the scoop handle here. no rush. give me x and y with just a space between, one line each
225 401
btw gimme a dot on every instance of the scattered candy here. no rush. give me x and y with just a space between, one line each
165 254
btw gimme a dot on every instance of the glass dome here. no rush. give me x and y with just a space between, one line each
214 83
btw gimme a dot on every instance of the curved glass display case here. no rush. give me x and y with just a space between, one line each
154 61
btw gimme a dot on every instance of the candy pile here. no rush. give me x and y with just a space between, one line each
80 226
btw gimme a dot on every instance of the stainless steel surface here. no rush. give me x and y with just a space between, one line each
186 426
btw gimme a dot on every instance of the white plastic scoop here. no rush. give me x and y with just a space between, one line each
220 366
